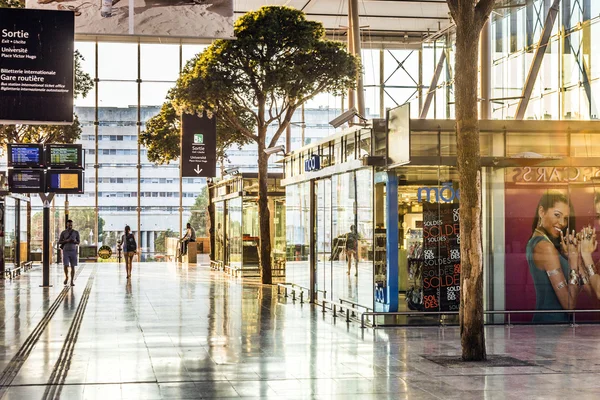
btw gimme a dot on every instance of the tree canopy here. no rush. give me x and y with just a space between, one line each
162 136
278 61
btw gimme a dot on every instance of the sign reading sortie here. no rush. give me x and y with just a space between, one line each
441 253
36 66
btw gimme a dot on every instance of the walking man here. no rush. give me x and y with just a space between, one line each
69 243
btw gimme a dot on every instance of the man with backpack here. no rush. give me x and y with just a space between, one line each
69 242
129 249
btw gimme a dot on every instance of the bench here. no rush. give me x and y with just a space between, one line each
12 273
216 265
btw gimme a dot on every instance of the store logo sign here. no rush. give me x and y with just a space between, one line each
445 194
312 164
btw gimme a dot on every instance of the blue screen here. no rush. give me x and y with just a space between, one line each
25 155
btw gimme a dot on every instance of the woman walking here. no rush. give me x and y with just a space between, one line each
129 249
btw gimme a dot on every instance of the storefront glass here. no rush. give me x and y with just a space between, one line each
9 231
221 235
251 234
234 214
429 248
279 246
297 233
323 238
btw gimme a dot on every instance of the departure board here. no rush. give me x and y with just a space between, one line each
26 180
64 181
25 155
64 156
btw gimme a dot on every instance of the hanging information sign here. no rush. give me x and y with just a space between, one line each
198 146
36 66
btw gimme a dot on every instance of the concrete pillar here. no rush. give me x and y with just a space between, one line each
151 233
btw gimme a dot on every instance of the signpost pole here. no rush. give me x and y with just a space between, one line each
46 199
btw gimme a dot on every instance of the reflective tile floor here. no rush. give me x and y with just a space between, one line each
179 332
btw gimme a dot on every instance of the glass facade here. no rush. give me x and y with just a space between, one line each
238 232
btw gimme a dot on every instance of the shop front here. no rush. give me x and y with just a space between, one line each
406 216
333 192
14 231
237 225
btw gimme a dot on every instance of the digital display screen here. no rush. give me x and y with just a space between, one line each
26 180
65 181
25 155
64 155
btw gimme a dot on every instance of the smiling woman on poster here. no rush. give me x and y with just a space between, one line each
550 251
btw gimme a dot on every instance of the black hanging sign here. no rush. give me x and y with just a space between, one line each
198 146
441 253
36 66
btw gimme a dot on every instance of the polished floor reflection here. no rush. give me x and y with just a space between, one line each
178 332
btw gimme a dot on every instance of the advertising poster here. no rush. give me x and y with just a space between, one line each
525 188
441 254
36 67
165 18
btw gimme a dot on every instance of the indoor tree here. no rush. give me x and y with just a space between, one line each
162 139
278 61
469 17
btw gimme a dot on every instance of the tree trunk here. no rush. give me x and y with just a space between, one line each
211 217
264 251
469 170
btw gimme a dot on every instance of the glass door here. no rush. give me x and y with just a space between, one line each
323 237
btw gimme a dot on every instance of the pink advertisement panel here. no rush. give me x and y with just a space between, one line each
539 202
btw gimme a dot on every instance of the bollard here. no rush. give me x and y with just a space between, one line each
347 315
323 306
334 311
293 295
286 292
302 297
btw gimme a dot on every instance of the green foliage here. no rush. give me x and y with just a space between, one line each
40 133
83 81
159 243
162 136
84 221
199 219
278 61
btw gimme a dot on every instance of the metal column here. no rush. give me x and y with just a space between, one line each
312 251
139 157
391 204
360 91
485 63
433 85
536 63
351 91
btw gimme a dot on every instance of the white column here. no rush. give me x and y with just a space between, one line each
151 233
